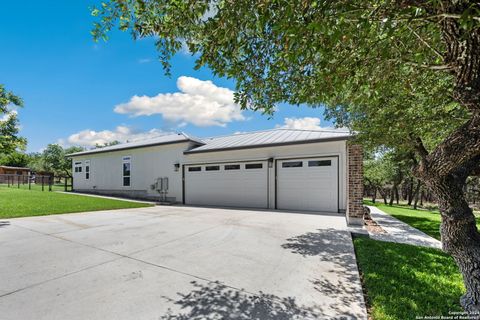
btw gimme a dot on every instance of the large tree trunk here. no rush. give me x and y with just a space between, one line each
374 196
392 196
460 236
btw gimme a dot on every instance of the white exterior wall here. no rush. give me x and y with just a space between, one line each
147 164
332 148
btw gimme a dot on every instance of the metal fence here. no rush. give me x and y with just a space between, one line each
36 182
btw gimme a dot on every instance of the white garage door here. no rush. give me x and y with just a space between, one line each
308 184
236 184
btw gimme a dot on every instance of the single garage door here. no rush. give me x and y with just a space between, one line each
308 184
236 184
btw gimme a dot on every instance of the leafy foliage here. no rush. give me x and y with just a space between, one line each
53 159
15 159
9 139
373 63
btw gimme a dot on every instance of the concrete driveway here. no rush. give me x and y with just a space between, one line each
178 263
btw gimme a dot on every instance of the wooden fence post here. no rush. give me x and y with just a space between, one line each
43 182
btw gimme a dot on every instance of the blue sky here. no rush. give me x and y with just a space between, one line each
70 84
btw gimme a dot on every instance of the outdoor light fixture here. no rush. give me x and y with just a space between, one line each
176 166
270 162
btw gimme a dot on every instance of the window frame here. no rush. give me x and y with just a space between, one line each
253 166
87 170
195 169
321 163
292 166
77 165
229 167
127 160
212 168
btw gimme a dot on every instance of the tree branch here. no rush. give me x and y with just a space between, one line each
425 43
420 147
458 149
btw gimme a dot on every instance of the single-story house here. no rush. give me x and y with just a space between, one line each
14 170
302 170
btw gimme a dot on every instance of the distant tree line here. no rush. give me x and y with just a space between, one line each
388 176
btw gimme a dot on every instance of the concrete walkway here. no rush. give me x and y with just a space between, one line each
400 232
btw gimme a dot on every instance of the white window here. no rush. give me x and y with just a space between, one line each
87 169
126 170
78 166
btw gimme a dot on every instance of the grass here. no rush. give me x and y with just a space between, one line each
33 186
16 203
404 281
427 221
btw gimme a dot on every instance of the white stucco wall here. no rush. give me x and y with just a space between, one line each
150 163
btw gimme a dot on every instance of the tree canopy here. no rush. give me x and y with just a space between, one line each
9 139
53 159
404 73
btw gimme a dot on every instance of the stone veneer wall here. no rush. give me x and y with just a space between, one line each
355 184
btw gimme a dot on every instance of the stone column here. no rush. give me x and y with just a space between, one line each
354 184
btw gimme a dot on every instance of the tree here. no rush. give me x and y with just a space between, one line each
54 160
9 139
377 174
404 73
15 159
107 144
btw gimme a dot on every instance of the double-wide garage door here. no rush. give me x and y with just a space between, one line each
228 184
301 184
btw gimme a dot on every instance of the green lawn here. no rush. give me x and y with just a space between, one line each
424 220
404 281
23 203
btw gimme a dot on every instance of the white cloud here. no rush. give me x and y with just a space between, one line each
90 138
306 123
199 102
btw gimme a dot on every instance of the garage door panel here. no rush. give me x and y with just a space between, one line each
238 188
307 187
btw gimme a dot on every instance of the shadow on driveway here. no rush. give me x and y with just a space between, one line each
217 301
342 282
4 224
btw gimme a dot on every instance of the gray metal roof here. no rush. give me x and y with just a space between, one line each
255 139
165 139
273 137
